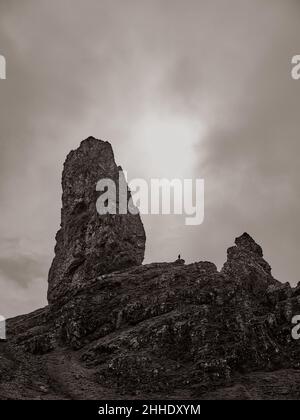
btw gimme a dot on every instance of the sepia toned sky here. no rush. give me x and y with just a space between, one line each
188 89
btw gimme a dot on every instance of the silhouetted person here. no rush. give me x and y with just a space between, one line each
179 260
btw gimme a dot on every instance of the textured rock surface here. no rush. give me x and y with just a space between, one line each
89 244
117 329
162 330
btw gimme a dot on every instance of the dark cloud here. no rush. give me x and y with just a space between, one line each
211 78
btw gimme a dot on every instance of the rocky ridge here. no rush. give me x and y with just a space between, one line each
120 329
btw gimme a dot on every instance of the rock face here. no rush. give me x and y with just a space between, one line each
246 264
89 244
162 330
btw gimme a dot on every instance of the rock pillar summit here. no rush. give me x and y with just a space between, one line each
89 244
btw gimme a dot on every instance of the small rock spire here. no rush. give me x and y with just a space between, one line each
246 242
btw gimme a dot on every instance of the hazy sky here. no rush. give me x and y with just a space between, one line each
181 89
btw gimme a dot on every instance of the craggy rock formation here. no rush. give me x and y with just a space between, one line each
88 244
162 330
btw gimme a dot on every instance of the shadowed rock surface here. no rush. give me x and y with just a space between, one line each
162 330
88 244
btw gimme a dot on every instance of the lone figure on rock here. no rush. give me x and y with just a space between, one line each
179 260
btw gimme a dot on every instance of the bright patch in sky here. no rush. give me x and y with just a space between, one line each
164 145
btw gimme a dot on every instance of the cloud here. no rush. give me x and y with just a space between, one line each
77 68
19 300
22 277
21 269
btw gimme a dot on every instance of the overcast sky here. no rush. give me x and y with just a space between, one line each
187 88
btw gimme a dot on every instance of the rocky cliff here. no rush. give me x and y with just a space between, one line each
89 244
118 329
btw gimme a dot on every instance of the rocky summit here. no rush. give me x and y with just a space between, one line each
115 328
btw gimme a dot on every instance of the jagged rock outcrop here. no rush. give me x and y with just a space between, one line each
89 244
162 330
245 263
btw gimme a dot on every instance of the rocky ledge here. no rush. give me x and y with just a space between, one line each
121 329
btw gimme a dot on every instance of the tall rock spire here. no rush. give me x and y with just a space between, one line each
89 244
